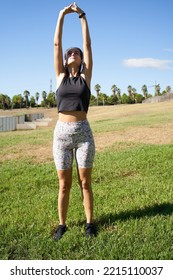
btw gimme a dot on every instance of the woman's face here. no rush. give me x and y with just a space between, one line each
74 55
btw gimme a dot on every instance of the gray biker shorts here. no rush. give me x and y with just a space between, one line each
73 139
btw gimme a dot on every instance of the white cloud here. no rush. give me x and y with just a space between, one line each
147 63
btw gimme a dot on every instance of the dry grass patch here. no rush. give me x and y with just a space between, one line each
37 154
146 135
158 133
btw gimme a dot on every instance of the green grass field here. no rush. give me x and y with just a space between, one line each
132 185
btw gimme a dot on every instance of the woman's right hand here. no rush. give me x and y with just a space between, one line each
69 9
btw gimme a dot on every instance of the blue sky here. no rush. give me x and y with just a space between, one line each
132 43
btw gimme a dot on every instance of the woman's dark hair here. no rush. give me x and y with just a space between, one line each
73 48
81 55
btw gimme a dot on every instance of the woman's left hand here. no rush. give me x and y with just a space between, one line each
76 9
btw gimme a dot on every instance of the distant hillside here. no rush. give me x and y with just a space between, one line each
156 99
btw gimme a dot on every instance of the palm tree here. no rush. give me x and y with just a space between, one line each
145 91
118 93
26 94
37 95
157 90
114 89
97 89
129 89
134 91
134 94
168 89
20 100
44 95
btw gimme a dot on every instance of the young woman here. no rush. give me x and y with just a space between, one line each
72 134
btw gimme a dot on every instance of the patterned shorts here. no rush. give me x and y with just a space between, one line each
73 138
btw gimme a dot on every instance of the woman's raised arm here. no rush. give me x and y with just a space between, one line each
88 63
58 52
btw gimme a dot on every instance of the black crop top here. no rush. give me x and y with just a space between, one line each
73 94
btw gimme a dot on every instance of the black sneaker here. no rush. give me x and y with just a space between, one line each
90 230
60 231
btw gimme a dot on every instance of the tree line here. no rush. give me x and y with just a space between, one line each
130 97
23 101
48 100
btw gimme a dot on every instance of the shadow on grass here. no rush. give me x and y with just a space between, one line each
163 209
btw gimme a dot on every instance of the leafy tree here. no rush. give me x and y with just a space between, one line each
149 95
2 101
139 98
51 99
112 100
17 101
163 92
131 100
102 99
32 101
93 100
5 101
125 99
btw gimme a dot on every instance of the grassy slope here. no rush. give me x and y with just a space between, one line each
132 184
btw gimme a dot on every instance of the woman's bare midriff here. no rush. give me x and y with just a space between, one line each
74 116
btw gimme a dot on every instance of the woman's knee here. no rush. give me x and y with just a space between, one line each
65 179
84 176
85 184
64 185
